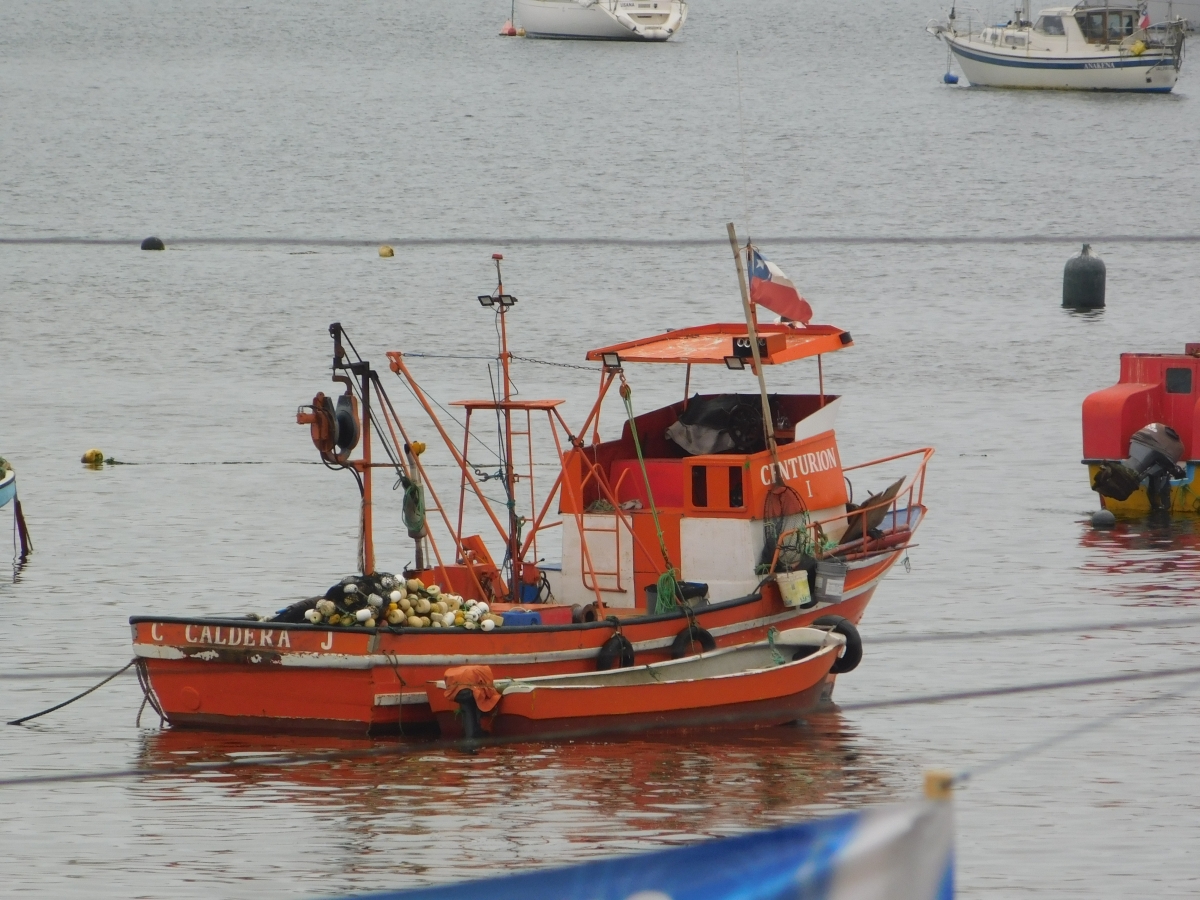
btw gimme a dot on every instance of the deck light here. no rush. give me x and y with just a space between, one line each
611 360
505 300
735 363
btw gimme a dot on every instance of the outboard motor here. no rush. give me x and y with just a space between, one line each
1154 454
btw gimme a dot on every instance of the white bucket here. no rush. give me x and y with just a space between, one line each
793 587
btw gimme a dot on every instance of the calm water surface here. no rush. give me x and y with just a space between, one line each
400 120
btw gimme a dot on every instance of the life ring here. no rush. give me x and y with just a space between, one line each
617 653
686 640
852 655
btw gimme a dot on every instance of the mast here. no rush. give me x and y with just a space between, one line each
752 332
504 301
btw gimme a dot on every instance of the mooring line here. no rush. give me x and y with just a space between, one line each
94 687
391 750
932 637
1095 724
631 242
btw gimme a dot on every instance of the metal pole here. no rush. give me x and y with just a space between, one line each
510 481
768 423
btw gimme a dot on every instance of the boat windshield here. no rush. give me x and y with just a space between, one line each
1049 25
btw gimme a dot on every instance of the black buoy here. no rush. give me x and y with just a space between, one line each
1083 281
153 243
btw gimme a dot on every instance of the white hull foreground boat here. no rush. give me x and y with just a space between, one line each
602 20
1084 48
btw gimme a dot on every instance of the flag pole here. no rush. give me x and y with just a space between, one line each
752 333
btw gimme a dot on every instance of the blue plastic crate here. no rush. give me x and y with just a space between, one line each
522 617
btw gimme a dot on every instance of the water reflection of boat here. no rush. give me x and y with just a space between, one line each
1149 562
1089 47
593 794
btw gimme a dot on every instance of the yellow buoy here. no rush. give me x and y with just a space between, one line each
939 785
92 457
417 448
386 252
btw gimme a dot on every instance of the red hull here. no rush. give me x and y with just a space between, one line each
238 675
762 697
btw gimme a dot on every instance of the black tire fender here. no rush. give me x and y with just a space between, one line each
686 640
852 655
617 653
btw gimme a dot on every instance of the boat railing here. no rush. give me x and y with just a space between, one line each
901 512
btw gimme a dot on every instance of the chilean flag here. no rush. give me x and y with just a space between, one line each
769 287
1145 22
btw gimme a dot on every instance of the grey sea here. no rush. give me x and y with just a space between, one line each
273 146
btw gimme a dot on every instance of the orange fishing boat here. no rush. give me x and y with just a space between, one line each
770 682
703 525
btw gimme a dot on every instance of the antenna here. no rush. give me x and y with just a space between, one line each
742 138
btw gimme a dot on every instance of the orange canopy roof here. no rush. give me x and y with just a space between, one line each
712 343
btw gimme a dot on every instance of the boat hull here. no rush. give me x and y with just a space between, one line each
1154 71
1185 497
8 488
260 676
569 20
756 698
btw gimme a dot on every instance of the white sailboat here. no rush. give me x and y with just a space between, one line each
1087 47
602 20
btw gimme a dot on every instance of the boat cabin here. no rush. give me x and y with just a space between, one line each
1067 28
700 470
1153 387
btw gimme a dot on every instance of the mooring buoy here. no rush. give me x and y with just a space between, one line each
1083 281
153 243
1103 518
92 457
386 252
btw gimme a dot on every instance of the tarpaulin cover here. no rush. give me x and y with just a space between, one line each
476 679
896 852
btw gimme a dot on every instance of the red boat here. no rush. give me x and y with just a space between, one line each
1141 437
737 506
769 682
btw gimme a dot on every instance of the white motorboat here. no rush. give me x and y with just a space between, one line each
1086 47
602 20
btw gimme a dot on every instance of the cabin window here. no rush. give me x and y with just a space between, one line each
1092 26
700 486
1015 40
1050 25
735 487
1179 381
1120 25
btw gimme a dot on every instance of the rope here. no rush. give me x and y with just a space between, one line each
668 581
38 715
1046 743
392 750
772 634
